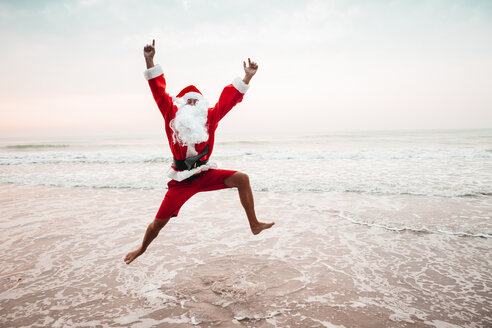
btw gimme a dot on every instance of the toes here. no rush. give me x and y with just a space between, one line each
128 259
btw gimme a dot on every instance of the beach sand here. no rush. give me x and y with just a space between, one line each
63 251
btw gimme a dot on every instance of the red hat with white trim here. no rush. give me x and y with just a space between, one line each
188 89
190 92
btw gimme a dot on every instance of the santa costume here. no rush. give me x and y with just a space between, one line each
190 132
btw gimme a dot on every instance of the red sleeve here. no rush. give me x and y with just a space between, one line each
157 84
229 98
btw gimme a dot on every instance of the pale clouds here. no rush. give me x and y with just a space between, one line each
342 64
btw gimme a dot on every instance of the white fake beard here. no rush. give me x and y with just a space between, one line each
190 124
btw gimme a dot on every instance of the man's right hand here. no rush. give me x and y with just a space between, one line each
149 50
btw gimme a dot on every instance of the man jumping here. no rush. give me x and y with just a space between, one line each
190 128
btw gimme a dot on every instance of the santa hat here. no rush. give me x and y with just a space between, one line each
190 92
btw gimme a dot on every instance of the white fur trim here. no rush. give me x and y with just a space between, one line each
181 175
192 95
239 84
153 72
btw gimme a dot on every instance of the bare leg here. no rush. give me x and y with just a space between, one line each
241 182
152 232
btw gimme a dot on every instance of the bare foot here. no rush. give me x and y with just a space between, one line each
260 227
132 255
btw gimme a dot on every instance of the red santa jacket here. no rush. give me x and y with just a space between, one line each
230 96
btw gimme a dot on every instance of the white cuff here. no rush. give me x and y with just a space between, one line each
239 84
153 72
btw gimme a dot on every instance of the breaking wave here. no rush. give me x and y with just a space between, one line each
414 229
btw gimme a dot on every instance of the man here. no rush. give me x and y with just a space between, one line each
190 128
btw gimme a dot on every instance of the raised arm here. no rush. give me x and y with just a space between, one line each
233 93
157 83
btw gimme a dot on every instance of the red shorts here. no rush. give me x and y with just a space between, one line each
180 191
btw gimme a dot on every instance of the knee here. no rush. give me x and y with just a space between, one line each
243 179
237 180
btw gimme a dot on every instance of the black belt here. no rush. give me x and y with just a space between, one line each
191 162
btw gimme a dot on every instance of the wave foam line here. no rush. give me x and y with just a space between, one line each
414 229
27 146
377 191
62 185
159 185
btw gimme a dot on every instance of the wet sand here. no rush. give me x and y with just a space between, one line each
63 251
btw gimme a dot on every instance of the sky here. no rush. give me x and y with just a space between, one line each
76 67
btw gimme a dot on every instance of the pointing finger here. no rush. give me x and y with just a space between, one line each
249 61
153 43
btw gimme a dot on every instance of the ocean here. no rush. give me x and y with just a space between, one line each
381 228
